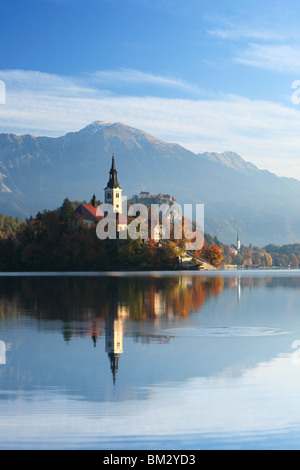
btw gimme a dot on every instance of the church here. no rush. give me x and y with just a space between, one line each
91 213
113 196
113 192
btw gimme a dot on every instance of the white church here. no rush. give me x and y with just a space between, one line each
90 213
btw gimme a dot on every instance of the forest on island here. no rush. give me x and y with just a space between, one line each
58 241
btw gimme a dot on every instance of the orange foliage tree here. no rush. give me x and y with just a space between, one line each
212 254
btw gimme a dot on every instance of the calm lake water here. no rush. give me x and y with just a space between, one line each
150 361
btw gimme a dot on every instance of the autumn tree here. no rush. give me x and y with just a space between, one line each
211 254
168 254
151 253
294 262
268 259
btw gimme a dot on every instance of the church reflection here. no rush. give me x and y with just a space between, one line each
109 308
114 340
2 353
114 345
158 302
114 334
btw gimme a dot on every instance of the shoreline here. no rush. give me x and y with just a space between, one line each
158 273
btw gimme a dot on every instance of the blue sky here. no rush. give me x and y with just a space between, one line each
212 75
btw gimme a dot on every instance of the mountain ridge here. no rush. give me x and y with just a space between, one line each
37 173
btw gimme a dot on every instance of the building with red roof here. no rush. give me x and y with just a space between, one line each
89 213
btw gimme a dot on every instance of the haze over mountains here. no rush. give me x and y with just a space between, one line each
37 173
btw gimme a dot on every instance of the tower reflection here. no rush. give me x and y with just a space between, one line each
2 353
114 338
114 345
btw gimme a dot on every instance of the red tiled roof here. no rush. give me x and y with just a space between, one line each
89 212
99 212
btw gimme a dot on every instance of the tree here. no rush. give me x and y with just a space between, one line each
268 259
168 254
8 255
32 258
294 262
151 253
247 262
131 254
67 215
29 233
211 254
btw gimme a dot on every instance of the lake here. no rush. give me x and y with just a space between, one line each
150 361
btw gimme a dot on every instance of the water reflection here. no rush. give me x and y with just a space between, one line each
70 298
179 359
145 308
2 352
82 298
134 298
93 307
114 343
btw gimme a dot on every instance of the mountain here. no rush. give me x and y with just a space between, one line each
232 160
37 173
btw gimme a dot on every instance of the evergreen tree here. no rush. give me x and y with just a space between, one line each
67 215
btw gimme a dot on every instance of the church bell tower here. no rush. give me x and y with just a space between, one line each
238 243
113 192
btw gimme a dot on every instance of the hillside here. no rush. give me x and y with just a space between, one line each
37 173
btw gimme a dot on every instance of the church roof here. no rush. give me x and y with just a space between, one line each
89 212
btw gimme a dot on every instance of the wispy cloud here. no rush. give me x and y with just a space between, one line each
260 42
279 58
51 84
262 132
239 32
132 76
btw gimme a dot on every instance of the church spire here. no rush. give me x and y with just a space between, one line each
113 166
113 192
113 178
238 242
